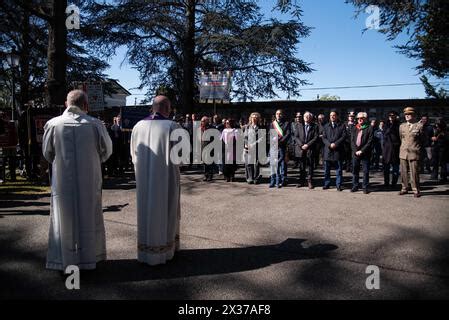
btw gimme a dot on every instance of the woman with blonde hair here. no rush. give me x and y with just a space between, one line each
251 141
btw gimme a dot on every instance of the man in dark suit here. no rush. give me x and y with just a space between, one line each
298 119
390 151
283 133
349 125
361 147
306 137
334 135
321 121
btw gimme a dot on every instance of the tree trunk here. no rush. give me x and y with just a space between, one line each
25 60
57 54
188 67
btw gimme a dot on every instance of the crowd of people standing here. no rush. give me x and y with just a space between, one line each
311 141
355 144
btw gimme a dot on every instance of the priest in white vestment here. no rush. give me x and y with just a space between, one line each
158 185
76 144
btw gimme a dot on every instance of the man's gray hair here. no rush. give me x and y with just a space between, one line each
308 112
77 98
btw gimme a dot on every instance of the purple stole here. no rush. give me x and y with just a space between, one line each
155 116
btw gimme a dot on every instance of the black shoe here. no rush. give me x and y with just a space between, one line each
354 189
339 188
251 182
417 195
206 178
365 191
325 187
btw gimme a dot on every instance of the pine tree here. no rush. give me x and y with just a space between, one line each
171 42
427 24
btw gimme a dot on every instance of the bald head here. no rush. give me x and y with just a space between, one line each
162 105
77 98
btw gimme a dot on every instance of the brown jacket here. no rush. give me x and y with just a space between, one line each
411 141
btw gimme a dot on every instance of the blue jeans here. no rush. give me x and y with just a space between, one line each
356 170
338 172
278 172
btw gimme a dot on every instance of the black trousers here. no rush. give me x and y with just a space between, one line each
252 172
209 170
439 164
306 165
229 170
356 162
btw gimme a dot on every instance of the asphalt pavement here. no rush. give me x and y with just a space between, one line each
241 241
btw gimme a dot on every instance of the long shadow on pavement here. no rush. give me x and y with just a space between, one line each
20 203
24 213
197 262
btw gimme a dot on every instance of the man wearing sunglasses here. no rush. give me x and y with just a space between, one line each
361 145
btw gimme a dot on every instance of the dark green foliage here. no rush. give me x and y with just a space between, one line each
24 28
427 24
433 92
164 45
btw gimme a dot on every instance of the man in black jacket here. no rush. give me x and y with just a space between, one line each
283 133
298 119
361 148
306 137
334 135
347 160
390 151
321 121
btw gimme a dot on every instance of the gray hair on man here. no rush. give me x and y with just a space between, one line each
77 98
308 113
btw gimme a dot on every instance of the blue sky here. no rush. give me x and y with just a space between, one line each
338 50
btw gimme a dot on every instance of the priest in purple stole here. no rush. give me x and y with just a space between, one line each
158 185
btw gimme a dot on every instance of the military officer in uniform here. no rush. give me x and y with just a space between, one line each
411 134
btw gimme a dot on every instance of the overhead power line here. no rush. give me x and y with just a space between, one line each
373 86
354 87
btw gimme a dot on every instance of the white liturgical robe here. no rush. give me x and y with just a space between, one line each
158 190
76 144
